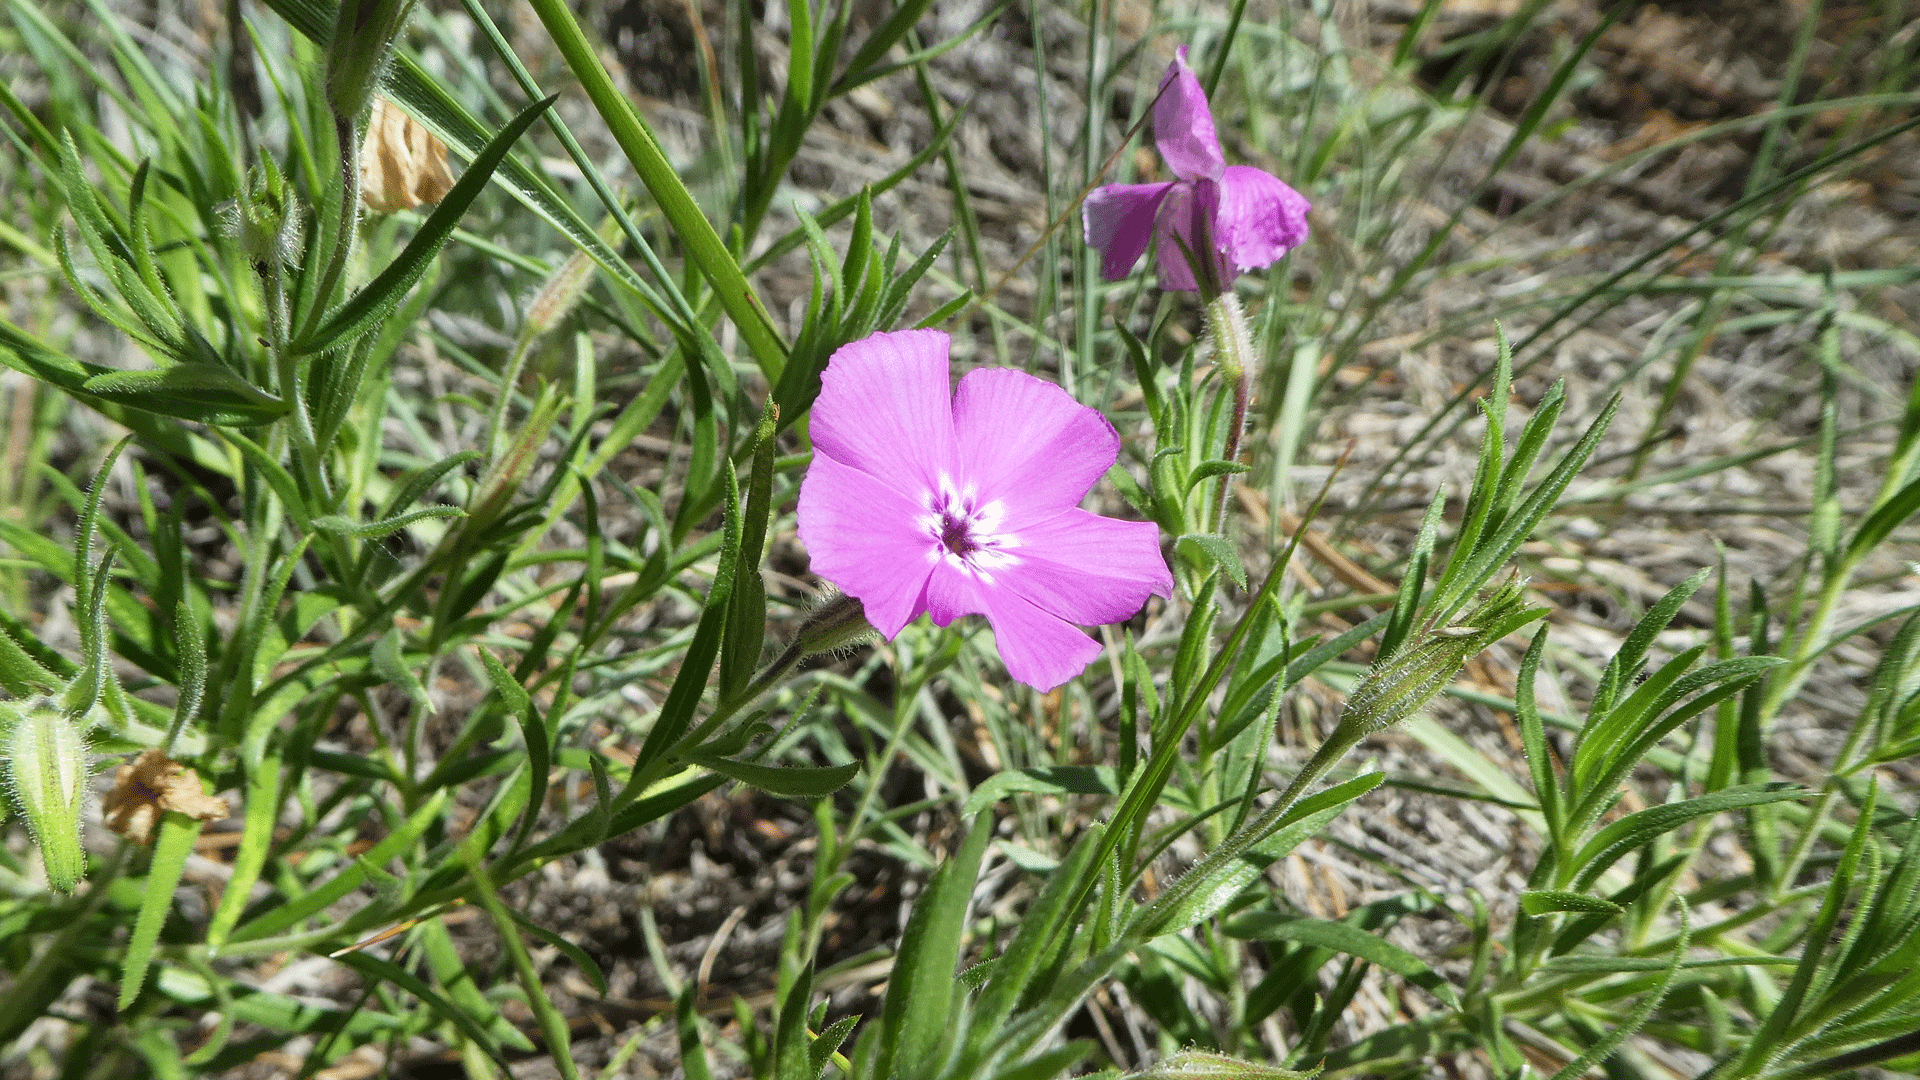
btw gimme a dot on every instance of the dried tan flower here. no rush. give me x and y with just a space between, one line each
402 164
152 785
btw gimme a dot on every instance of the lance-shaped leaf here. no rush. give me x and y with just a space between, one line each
208 393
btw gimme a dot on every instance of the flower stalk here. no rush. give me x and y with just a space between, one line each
1233 354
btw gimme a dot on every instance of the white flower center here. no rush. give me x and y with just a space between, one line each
971 536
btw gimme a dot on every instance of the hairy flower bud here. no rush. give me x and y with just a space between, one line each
265 218
46 774
839 622
1401 685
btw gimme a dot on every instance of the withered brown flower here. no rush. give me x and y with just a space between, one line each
402 164
152 785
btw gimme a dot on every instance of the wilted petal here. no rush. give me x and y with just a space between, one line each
1183 124
1039 649
862 536
1260 218
1088 569
1184 232
1027 443
886 409
150 787
1119 222
402 164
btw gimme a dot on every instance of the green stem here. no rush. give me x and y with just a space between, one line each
346 132
552 1025
1246 836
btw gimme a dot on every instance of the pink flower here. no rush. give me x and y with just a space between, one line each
1245 217
924 500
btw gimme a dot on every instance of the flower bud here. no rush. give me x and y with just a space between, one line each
558 295
1401 685
1230 338
839 622
46 774
265 217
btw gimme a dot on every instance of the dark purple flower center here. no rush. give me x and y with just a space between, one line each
955 535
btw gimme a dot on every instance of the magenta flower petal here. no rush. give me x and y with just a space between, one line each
1239 216
1184 232
1028 444
1039 649
864 537
1183 124
1118 220
969 508
1260 218
885 408
1088 569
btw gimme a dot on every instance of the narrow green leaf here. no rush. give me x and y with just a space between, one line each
704 247
1407 601
1533 738
1637 829
918 57
20 674
1319 655
1881 523
820 1052
170 851
791 1060
914 1017
274 1011
899 23
340 526
690 685
693 1053
1026 958
747 622
790 781
1593 964
1342 938
349 878
1045 780
552 1025
375 968
533 732
1627 659
581 959
1607 1044
1217 881
208 393
1547 901
390 662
